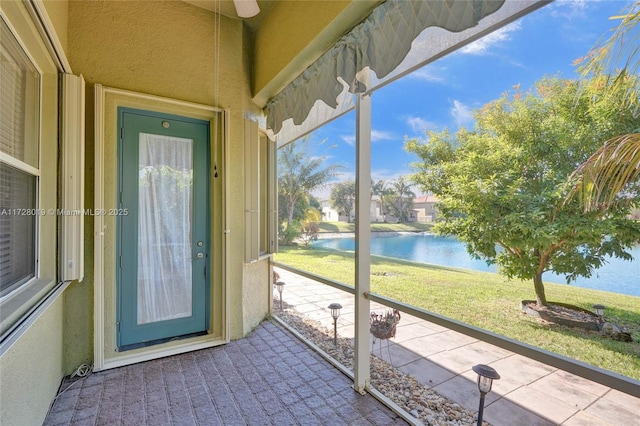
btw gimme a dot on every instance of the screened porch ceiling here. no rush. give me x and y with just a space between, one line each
227 8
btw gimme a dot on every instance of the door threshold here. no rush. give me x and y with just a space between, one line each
159 341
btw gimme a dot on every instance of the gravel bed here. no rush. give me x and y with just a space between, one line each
422 403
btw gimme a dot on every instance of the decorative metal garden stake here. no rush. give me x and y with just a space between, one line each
486 376
335 313
280 287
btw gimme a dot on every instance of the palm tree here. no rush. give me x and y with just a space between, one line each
600 180
381 190
299 174
343 197
403 198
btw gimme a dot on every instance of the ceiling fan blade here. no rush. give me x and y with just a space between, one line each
246 8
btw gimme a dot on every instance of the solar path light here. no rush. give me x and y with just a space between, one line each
280 287
599 309
486 376
335 313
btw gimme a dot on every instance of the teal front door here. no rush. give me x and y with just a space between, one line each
163 231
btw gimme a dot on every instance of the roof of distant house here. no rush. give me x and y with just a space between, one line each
425 199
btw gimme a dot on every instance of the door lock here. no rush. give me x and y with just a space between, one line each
199 255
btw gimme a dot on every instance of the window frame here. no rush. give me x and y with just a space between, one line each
261 198
18 304
25 167
268 194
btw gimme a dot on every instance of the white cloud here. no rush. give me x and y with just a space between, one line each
376 136
568 9
499 36
418 124
380 135
389 175
461 113
573 17
349 139
430 74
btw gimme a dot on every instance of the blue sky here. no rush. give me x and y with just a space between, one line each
444 93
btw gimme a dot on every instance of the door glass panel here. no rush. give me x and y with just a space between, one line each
164 228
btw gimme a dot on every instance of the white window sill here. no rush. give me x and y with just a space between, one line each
19 304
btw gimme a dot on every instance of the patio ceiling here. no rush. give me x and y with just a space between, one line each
289 35
227 8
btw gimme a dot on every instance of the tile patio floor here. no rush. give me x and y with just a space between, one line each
267 378
529 393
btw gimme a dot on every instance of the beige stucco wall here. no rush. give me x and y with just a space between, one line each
32 370
164 49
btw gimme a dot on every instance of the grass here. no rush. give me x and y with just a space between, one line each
489 301
375 227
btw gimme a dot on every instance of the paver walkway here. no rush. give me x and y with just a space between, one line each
529 393
267 378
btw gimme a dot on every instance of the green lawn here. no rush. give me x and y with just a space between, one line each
489 301
375 227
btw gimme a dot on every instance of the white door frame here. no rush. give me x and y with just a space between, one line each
102 232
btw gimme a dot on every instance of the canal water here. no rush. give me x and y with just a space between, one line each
618 276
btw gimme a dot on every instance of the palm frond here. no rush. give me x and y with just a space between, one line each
619 53
602 177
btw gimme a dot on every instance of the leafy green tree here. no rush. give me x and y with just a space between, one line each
401 198
309 226
288 233
299 173
299 209
315 203
503 184
343 197
613 171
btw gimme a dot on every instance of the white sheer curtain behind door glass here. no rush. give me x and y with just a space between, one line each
164 228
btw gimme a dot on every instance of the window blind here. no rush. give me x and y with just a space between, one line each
19 94
17 228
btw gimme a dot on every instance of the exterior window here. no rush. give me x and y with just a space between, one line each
261 213
19 165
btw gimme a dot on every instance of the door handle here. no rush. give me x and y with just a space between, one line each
199 256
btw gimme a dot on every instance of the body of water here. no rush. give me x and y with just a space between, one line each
618 276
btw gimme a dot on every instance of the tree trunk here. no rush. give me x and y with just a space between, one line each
291 205
541 298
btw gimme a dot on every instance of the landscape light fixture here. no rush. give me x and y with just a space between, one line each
486 376
599 309
280 287
335 313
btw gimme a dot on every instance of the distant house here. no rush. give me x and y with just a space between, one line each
329 214
424 209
